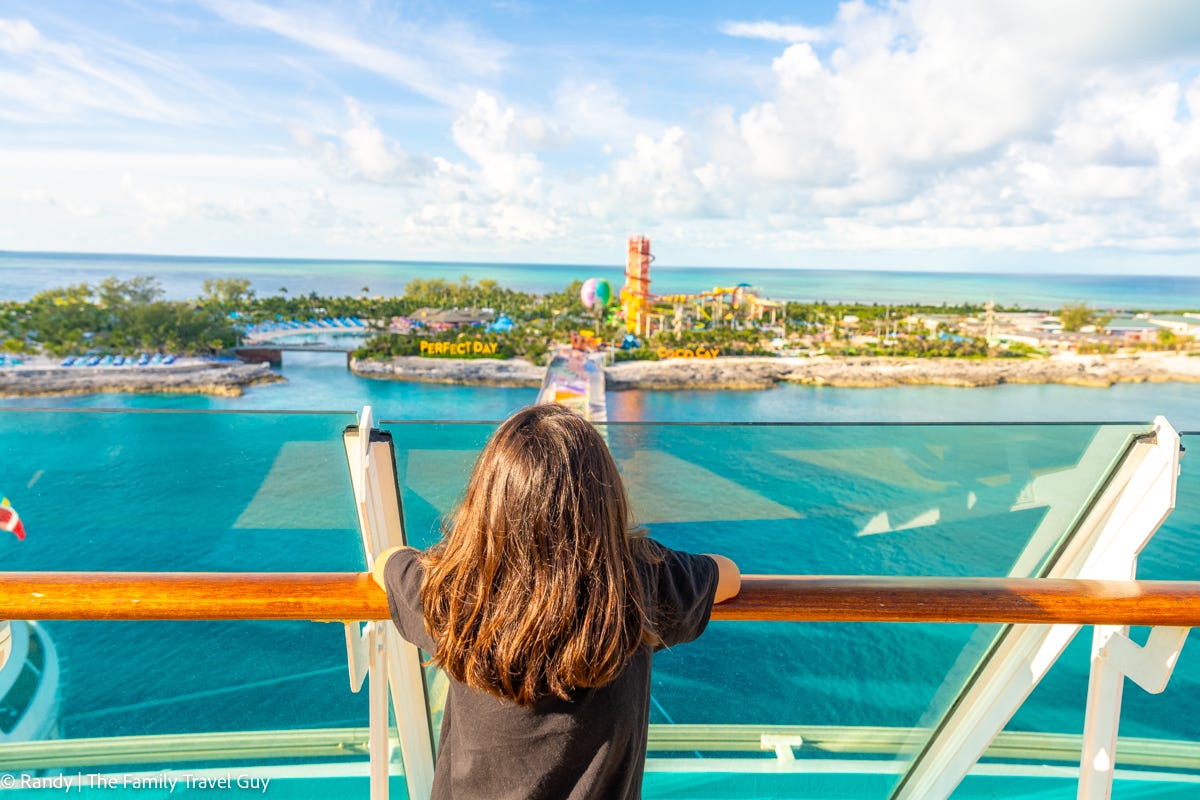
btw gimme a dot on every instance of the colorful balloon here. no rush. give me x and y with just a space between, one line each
604 293
587 292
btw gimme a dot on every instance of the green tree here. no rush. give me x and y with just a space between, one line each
1075 316
227 294
116 293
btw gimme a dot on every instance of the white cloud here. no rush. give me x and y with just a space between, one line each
598 111
773 31
429 60
936 123
366 148
662 177
19 36
501 143
160 203
358 151
59 80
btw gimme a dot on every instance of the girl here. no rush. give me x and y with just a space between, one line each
543 608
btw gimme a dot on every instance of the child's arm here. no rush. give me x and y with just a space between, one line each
729 578
381 562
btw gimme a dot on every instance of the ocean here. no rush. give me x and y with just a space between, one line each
253 488
24 274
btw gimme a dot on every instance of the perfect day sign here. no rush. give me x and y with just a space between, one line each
451 349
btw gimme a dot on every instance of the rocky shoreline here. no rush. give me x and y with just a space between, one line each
194 376
762 373
473 371
41 379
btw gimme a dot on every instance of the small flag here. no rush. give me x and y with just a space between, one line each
10 520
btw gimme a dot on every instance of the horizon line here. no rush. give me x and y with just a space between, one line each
615 266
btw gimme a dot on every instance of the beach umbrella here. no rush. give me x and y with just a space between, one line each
503 324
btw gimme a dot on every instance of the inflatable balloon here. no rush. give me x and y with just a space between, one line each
603 292
587 292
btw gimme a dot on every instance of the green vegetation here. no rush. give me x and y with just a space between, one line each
114 316
636 354
915 347
1077 316
1022 350
823 312
126 316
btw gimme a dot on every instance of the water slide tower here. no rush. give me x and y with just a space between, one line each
635 294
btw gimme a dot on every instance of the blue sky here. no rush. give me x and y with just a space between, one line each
1029 135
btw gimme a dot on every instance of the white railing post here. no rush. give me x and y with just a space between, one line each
5 642
378 741
1114 655
395 665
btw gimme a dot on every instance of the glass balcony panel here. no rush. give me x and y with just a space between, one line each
177 491
1156 730
797 499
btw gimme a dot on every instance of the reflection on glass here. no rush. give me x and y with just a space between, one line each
197 492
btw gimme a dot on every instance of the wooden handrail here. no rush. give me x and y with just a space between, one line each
353 596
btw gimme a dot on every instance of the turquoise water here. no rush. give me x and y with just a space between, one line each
24 274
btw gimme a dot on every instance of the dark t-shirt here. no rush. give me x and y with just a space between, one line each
591 746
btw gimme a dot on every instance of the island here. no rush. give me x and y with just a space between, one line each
124 336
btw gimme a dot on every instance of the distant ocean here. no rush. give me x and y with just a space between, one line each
24 274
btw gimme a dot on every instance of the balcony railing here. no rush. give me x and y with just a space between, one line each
763 598
1019 534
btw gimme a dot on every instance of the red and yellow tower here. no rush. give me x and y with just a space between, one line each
635 294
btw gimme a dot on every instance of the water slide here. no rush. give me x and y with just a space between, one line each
575 378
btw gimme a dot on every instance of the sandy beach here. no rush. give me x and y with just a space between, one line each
764 372
39 377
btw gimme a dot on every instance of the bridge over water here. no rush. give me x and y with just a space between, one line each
273 352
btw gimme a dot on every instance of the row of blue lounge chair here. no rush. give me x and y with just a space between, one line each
328 323
144 360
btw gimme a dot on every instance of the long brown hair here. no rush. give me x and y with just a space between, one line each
534 588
